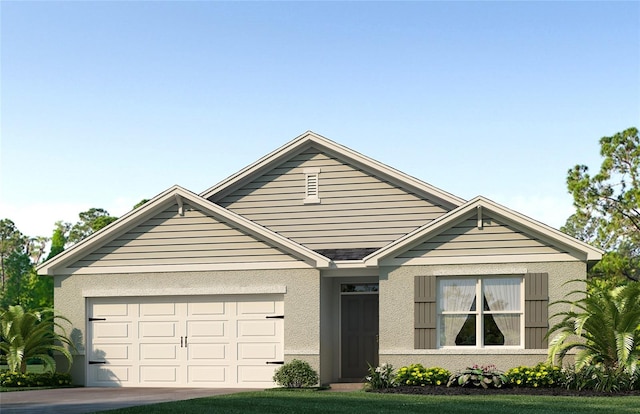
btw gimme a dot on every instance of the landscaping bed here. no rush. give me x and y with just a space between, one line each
553 391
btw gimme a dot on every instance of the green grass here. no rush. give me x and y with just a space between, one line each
370 403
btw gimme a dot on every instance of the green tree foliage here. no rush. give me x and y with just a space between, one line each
18 287
22 286
140 203
30 335
59 239
608 205
603 327
36 248
11 240
90 222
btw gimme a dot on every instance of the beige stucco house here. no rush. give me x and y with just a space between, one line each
314 252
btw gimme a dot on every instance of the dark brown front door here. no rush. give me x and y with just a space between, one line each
359 321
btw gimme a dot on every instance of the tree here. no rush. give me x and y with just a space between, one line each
32 335
603 326
140 203
11 240
90 222
18 268
608 205
36 247
59 238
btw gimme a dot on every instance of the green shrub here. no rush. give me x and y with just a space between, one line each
32 379
485 376
599 378
541 375
417 375
296 374
380 377
31 335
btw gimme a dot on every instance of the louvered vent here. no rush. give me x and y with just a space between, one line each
312 181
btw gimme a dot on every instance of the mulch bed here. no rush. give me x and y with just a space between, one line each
442 390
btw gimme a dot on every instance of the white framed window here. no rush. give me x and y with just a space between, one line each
481 312
312 186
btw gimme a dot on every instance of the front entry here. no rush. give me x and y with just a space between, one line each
359 334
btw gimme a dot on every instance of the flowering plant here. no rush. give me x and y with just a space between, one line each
417 375
380 377
541 375
485 376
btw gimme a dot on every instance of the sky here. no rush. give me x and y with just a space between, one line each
103 104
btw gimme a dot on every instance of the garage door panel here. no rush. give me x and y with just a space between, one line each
208 352
206 308
257 328
206 329
256 307
112 375
115 352
208 374
261 351
158 351
111 330
159 373
157 309
156 329
252 375
110 309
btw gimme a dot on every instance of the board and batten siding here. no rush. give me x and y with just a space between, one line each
465 239
356 209
195 238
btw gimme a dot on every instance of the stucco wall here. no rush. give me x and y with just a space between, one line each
397 310
301 300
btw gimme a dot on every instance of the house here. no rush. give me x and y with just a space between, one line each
314 252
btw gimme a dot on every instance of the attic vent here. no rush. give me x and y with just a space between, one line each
312 181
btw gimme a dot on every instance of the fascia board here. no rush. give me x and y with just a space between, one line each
257 166
157 204
392 174
308 139
417 236
545 232
262 232
552 236
120 226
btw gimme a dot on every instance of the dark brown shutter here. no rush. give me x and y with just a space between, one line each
425 312
536 313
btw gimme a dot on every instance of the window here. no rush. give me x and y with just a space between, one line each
480 311
359 288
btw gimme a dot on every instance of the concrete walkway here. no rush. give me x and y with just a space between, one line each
90 400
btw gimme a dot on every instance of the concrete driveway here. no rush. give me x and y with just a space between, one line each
90 400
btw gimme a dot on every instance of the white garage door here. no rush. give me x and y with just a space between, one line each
207 341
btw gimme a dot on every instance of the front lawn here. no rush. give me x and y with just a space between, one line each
361 402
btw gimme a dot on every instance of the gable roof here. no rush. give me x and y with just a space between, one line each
311 139
176 194
543 232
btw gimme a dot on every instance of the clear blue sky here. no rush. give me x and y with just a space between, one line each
106 103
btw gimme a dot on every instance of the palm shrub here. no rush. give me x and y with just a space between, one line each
31 335
603 327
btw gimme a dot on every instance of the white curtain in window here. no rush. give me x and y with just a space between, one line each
455 295
504 295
